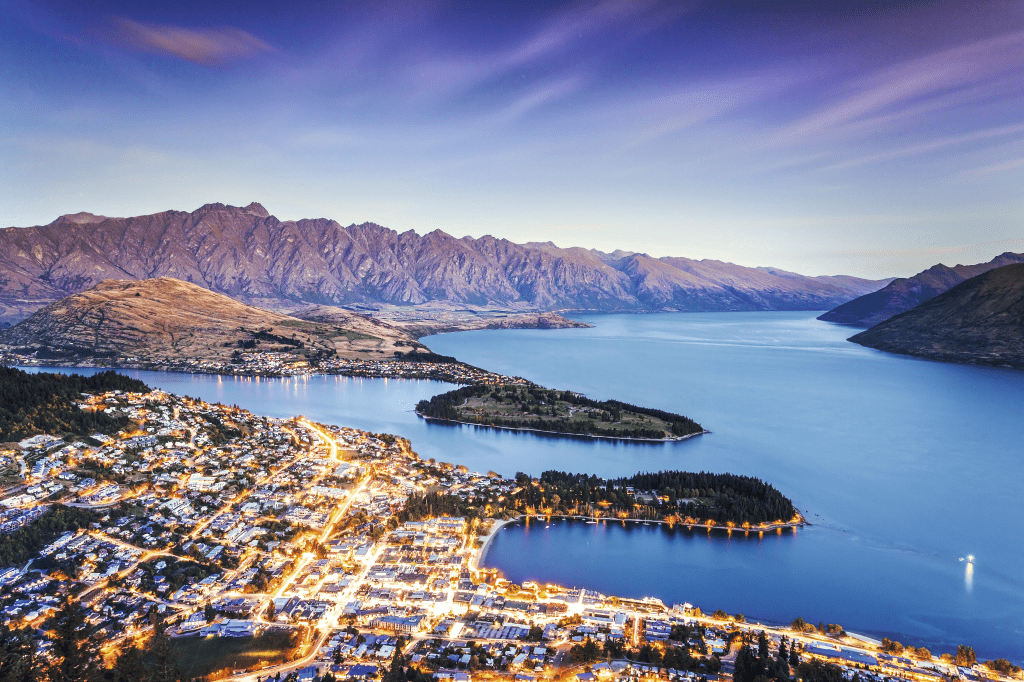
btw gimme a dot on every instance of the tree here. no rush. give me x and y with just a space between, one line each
762 648
395 672
209 612
75 656
781 666
588 652
816 671
165 664
965 656
1001 665
746 667
128 666
891 647
794 656
18 659
271 611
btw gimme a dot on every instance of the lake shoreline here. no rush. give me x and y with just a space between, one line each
478 555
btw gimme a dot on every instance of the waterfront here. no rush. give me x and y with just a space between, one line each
903 466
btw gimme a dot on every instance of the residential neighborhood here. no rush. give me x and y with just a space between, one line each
226 526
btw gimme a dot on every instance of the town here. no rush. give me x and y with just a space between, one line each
283 364
280 548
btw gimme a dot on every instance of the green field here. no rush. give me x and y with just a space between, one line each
198 656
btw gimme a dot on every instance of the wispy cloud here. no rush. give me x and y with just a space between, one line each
206 46
912 83
454 73
926 147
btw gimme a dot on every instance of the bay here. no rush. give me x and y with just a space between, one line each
903 467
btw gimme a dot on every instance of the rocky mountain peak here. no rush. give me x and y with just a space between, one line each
255 208
80 218
246 254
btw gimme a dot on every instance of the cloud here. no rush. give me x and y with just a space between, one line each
909 85
206 46
568 28
925 147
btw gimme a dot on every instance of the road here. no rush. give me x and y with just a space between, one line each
336 515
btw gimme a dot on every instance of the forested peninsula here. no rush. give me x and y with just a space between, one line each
536 408
675 497
44 403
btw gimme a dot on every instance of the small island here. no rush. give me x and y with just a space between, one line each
534 408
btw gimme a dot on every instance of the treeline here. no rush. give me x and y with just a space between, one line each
413 356
722 498
539 401
44 403
429 505
23 544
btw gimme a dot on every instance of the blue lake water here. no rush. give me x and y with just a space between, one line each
903 466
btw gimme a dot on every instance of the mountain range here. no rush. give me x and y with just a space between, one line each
253 257
979 321
902 294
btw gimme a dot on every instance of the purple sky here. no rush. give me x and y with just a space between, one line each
858 137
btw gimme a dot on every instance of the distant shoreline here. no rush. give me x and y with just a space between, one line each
563 433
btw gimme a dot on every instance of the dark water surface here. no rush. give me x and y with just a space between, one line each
903 466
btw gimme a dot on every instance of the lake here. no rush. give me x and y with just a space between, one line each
902 466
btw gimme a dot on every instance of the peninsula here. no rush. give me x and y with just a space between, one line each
533 408
171 325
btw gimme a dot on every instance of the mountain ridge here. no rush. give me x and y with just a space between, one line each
905 293
250 255
979 321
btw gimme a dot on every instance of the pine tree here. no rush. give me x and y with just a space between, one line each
19 661
165 665
746 668
395 672
965 656
128 666
75 655
781 668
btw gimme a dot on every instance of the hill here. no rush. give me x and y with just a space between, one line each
168 320
251 256
980 321
903 294
31 404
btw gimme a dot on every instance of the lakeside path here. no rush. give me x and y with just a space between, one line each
477 556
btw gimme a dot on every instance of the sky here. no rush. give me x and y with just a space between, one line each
842 137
